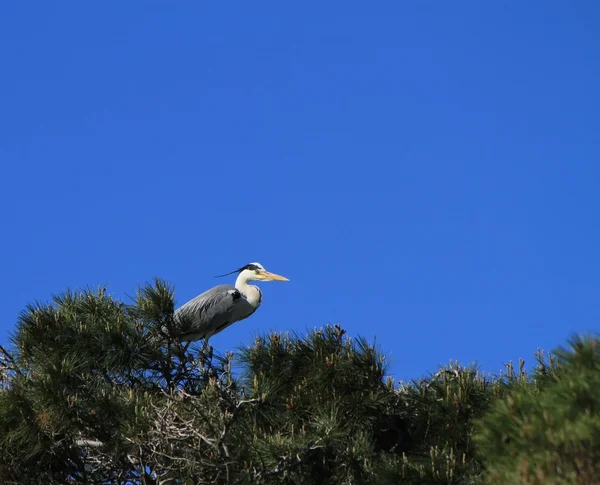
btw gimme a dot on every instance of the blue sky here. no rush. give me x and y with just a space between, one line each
424 172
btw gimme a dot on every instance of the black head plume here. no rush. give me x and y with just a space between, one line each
250 266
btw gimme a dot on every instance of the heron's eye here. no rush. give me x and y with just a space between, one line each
257 271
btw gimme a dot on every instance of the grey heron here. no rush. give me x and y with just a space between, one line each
216 309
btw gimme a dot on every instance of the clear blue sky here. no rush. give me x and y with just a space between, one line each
424 172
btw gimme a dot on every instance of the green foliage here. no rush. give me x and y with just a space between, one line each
96 391
325 396
548 432
73 364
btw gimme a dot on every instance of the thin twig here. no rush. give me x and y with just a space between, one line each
10 359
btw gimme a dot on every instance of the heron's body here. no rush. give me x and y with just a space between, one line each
216 309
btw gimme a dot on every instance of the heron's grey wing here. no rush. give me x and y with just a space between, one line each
208 313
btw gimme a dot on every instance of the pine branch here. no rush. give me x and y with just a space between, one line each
288 463
7 362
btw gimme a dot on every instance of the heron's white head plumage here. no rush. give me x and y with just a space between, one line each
258 265
257 272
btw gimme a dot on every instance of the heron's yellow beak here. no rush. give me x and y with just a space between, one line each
273 277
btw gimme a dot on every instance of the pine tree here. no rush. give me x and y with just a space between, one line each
547 431
95 391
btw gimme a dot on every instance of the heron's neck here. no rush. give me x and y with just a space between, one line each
250 292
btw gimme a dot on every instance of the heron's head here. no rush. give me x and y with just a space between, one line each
257 272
